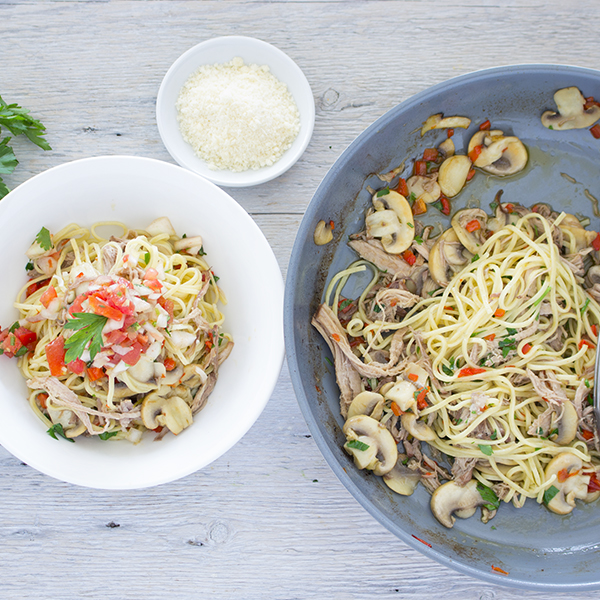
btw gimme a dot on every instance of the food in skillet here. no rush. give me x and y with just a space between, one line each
573 111
479 341
118 336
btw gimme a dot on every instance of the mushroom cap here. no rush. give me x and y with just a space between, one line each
571 113
471 240
446 257
567 425
172 412
366 403
453 174
418 429
573 486
323 234
402 393
392 221
401 479
450 498
382 451
438 121
500 155
483 137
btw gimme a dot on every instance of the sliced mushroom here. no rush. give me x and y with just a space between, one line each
566 425
424 187
366 403
438 121
447 257
452 499
593 496
575 237
592 276
376 449
418 429
570 482
500 155
471 236
447 148
392 221
412 370
159 226
401 479
323 234
453 174
71 425
571 112
403 394
167 411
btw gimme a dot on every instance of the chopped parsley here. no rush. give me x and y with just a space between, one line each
88 328
357 445
383 192
107 435
494 435
539 300
29 266
489 496
486 449
326 358
476 257
147 258
584 307
550 493
506 345
14 327
43 239
57 430
418 239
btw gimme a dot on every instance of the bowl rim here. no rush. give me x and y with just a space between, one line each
310 216
169 129
137 166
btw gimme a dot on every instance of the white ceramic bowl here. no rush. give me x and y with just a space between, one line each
221 50
136 191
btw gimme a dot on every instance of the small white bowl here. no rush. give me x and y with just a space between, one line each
135 191
221 50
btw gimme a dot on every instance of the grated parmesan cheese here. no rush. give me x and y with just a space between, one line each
236 116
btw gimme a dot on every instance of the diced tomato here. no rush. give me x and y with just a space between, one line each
474 154
142 339
169 363
594 484
42 400
595 131
490 338
596 242
445 205
587 434
587 343
9 343
509 208
473 225
151 273
154 284
95 373
500 312
450 133
420 167
485 125
430 154
167 304
55 354
402 187
469 371
117 336
76 366
396 409
76 307
409 257
422 399
526 348
26 336
470 174
133 356
48 296
419 207
100 307
34 287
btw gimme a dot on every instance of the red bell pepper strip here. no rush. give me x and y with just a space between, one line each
469 371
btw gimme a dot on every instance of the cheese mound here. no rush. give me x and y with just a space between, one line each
237 117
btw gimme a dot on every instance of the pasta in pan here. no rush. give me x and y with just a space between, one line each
118 336
490 362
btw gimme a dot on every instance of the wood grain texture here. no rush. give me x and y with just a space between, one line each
268 520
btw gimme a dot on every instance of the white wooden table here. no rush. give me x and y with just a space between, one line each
269 520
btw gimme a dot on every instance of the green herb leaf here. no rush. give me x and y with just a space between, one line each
486 449
584 307
107 435
43 239
411 225
511 331
89 330
447 371
476 257
21 351
147 258
539 300
494 435
383 192
29 266
8 160
587 383
14 327
18 121
57 430
492 502
201 251
549 494
326 358
357 445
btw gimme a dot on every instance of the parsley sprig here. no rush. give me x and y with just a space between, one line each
19 122
89 330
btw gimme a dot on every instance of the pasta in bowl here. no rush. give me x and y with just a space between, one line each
122 335
137 192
